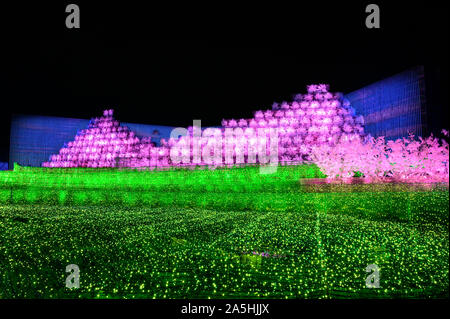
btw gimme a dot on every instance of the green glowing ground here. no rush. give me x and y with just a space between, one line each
174 244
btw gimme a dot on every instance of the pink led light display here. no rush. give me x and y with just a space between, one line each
102 144
316 118
405 160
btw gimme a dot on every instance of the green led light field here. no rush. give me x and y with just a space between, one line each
197 180
199 234
199 187
198 253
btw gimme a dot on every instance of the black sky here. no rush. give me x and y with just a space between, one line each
171 65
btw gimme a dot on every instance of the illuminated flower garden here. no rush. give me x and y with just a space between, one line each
316 118
195 218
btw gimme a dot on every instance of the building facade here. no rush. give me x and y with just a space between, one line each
35 138
395 106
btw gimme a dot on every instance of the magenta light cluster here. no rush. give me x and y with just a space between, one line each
318 117
100 145
405 160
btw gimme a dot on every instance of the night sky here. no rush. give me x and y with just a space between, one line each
168 66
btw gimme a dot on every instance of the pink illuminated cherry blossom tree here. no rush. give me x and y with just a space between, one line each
406 160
